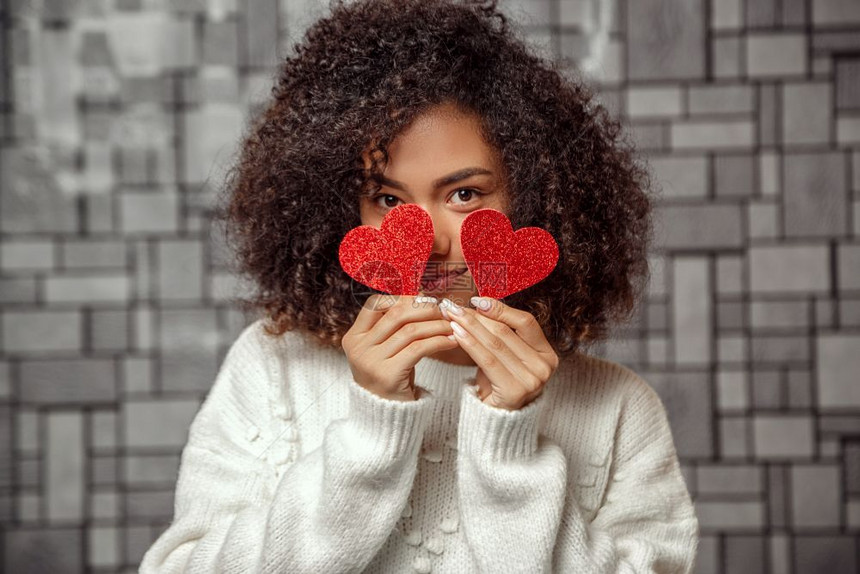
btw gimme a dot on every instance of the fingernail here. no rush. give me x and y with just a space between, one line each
461 332
481 303
452 337
453 307
444 310
425 299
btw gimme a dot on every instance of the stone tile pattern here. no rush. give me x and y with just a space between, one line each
117 299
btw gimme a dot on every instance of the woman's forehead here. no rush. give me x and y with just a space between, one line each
444 135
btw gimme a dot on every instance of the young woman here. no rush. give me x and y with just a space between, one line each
347 432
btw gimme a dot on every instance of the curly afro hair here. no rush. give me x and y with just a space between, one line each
358 78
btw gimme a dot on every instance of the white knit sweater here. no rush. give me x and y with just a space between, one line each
291 466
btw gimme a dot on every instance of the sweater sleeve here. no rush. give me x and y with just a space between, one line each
518 516
331 510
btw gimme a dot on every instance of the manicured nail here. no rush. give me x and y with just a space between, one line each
452 337
460 331
425 299
481 303
453 307
444 310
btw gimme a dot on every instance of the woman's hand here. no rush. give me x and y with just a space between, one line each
389 336
514 358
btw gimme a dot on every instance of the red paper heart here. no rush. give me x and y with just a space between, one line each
502 261
390 259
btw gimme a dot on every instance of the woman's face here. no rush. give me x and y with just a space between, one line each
441 163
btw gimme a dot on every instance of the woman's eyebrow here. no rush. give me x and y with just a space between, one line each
441 182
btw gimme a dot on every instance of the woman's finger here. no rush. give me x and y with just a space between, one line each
523 322
372 311
533 360
407 309
411 332
491 349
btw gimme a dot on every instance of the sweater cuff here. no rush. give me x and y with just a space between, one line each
499 434
393 426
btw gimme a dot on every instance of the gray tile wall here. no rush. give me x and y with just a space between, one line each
118 119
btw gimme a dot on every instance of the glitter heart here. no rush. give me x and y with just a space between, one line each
390 259
501 260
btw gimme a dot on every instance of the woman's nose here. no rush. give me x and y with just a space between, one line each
441 243
443 234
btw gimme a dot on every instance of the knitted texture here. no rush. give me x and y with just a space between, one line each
292 466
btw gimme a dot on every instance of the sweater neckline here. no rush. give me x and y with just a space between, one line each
444 380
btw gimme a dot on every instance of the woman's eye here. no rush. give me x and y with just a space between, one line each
465 195
385 203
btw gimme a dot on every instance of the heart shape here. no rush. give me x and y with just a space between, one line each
390 259
502 261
